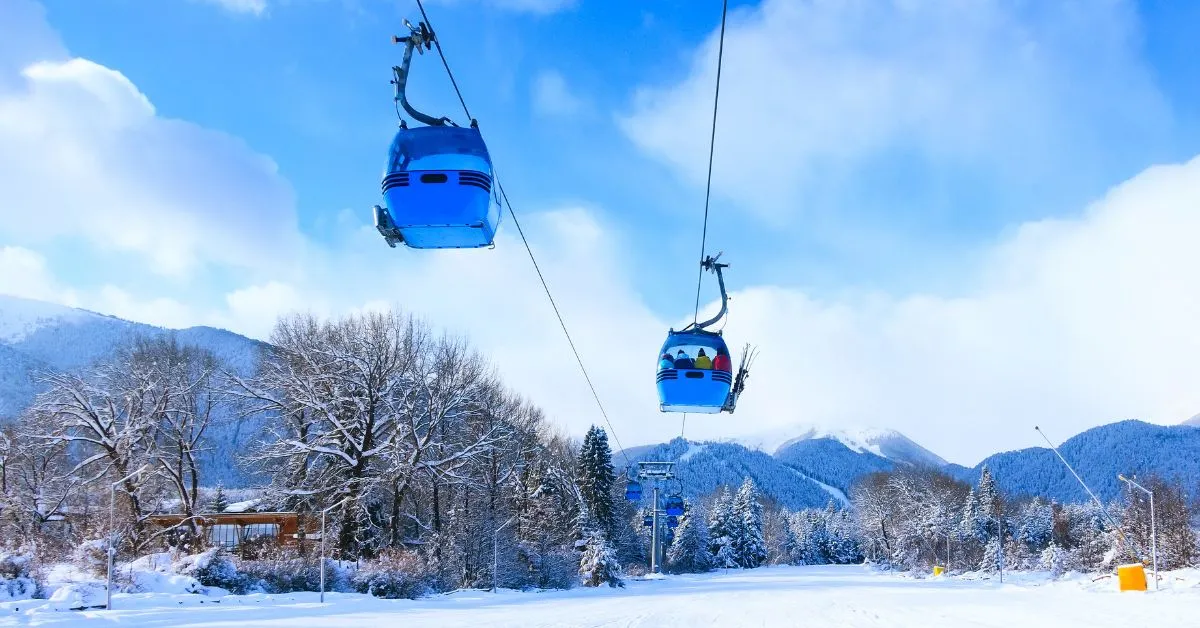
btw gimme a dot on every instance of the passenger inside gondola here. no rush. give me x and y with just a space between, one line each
683 361
666 362
703 361
722 362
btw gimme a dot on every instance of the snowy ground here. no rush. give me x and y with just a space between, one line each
776 596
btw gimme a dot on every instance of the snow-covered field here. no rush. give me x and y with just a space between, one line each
774 596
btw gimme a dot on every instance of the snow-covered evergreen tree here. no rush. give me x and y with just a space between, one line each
991 555
722 526
595 477
688 552
969 522
219 501
988 495
599 565
747 539
1032 533
1053 559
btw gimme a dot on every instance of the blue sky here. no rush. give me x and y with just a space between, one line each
898 185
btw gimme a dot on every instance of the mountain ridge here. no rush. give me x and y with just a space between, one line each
801 465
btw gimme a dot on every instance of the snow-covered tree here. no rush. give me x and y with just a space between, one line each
1177 543
219 502
747 539
723 524
1052 559
988 496
364 409
688 552
187 372
112 414
595 477
598 565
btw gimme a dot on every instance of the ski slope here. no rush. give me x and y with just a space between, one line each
774 596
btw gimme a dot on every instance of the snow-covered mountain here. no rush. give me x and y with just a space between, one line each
36 336
884 443
809 466
1135 448
702 467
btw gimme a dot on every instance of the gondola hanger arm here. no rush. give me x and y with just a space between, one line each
420 38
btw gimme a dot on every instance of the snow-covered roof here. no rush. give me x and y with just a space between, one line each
246 506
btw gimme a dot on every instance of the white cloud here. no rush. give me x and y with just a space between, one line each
813 90
24 273
255 7
1071 323
84 154
552 97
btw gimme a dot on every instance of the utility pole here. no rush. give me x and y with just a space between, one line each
1153 532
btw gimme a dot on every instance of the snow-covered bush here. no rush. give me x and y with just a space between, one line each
19 577
91 556
394 574
215 568
547 568
599 565
1053 559
283 570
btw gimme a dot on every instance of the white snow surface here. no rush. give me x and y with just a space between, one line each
774 596
862 439
21 317
693 449
833 491
245 506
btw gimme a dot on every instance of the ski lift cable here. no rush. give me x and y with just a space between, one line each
712 142
545 286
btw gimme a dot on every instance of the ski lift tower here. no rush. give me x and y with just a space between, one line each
655 472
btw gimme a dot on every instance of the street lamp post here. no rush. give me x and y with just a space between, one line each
112 549
322 567
496 550
1153 532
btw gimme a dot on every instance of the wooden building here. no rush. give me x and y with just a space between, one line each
230 529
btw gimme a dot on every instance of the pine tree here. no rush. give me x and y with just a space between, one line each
598 565
595 478
991 556
219 501
689 551
988 495
748 543
720 532
969 522
1053 559
790 545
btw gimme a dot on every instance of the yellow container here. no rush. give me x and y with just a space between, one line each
938 570
1132 577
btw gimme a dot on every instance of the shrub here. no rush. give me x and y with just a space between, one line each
214 568
284 570
19 578
92 557
394 574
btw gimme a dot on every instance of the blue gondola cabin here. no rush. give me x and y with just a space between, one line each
438 189
695 372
